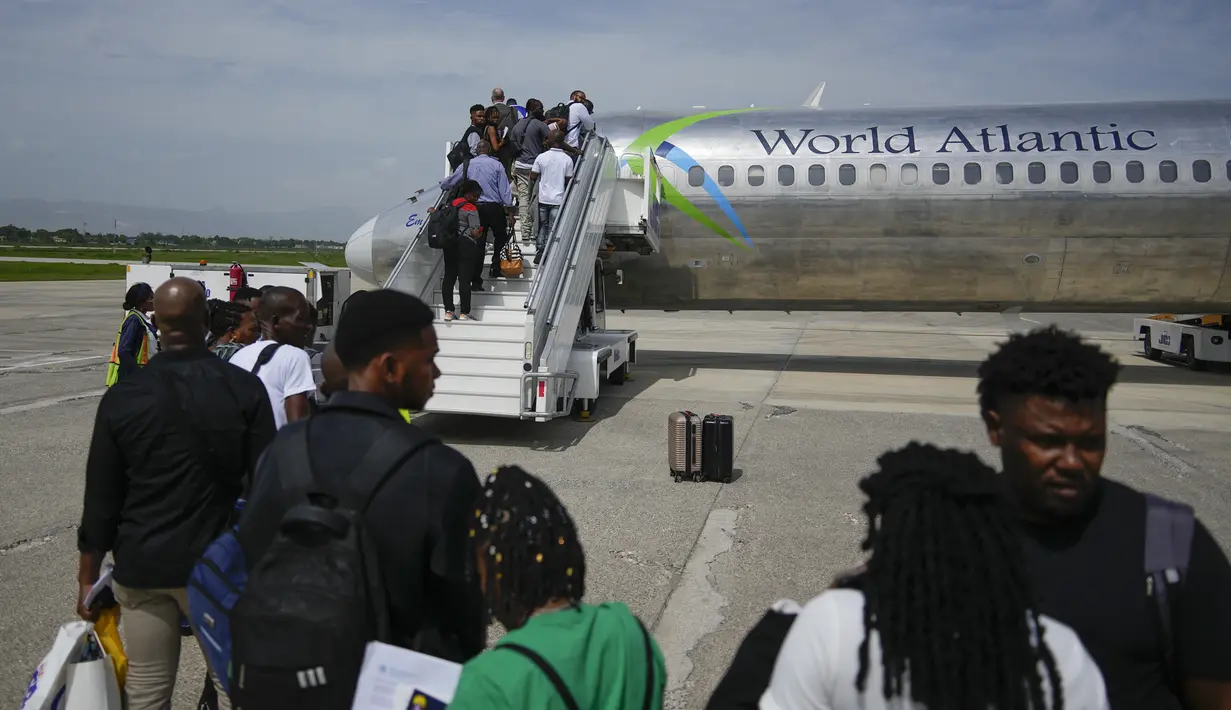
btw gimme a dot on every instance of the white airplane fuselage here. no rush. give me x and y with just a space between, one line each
1083 207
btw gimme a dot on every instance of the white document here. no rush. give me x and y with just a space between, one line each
392 676
103 583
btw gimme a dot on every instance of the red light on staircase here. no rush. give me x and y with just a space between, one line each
542 388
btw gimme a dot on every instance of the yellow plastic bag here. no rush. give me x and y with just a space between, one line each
108 629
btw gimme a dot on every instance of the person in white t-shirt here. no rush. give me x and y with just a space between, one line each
552 169
286 370
946 594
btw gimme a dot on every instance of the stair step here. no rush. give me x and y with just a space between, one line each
480 349
479 366
448 402
480 330
487 314
481 299
502 385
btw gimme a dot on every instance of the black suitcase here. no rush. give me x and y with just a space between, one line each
684 445
717 447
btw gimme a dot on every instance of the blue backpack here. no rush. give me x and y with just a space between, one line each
214 585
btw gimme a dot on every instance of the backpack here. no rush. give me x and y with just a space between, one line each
1169 537
443 226
560 110
460 152
292 632
567 696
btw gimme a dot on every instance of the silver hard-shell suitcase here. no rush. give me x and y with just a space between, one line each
684 445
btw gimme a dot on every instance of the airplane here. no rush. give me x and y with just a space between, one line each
1083 207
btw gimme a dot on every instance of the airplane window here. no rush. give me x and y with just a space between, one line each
1037 173
726 175
1167 171
880 174
756 175
786 175
1004 173
1135 171
696 176
1201 170
910 174
846 174
816 175
1068 172
940 174
1102 171
973 173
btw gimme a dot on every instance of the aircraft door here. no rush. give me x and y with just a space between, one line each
653 200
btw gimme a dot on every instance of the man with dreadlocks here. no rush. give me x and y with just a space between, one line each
559 652
1043 397
946 594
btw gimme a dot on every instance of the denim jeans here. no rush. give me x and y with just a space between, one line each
547 219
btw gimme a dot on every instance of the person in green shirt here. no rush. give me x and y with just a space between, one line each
531 568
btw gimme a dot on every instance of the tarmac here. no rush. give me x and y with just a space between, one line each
816 398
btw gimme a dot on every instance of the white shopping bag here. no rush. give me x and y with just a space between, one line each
76 674
90 683
47 685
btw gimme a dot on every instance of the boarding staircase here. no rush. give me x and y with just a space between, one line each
525 355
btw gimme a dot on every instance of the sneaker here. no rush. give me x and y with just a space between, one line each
448 315
476 287
466 316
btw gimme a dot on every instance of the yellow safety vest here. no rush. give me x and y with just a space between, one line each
143 353
405 414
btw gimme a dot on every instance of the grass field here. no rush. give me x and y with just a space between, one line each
133 255
32 271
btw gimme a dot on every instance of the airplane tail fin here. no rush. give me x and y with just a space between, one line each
814 99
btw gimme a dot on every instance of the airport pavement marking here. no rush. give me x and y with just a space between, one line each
58 361
52 401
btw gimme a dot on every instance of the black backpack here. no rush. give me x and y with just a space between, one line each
460 152
315 599
443 226
560 110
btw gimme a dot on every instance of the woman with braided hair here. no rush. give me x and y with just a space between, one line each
232 325
559 653
942 615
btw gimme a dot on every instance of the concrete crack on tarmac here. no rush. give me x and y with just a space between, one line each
694 609
1175 463
36 540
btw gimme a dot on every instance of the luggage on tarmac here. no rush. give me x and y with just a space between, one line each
717 447
684 445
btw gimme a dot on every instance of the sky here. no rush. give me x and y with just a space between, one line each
256 105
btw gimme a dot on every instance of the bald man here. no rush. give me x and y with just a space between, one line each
173 447
279 358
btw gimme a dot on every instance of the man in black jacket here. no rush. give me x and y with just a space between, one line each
172 444
419 519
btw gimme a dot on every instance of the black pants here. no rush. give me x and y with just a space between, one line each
460 260
494 218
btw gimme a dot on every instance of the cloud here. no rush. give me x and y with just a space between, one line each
265 105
